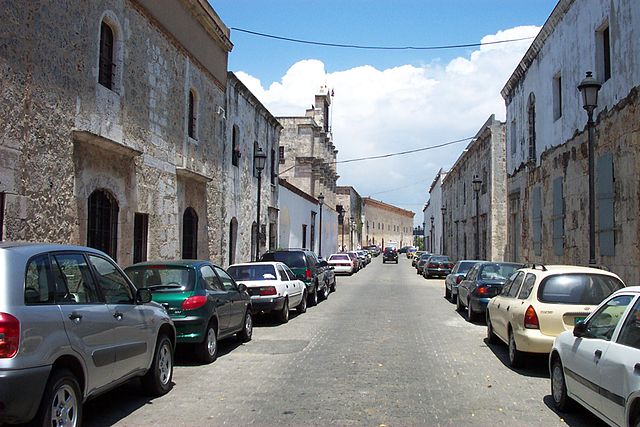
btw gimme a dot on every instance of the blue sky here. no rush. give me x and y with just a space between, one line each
386 101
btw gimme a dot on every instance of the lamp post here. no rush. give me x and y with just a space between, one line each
477 183
321 202
351 222
260 158
444 211
340 210
589 88
424 235
431 236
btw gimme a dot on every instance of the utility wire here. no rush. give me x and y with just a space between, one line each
355 46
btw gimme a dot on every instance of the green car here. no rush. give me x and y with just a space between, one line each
203 301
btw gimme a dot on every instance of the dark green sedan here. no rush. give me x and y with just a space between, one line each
203 301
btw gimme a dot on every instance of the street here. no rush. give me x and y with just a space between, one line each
385 349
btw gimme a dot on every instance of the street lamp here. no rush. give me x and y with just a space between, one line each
260 158
431 235
444 211
352 223
477 183
321 202
340 210
589 88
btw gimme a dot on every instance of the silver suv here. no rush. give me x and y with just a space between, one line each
72 326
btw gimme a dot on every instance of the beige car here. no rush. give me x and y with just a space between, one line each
540 302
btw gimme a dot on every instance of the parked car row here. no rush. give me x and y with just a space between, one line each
349 262
584 318
74 325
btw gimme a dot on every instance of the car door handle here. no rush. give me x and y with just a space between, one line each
75 317
117 315
598 354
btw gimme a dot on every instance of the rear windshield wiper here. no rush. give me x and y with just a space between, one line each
165 286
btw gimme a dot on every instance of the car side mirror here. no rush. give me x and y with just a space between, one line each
242 287
580 329
143 296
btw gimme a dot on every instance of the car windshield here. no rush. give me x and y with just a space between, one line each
292 259
339 257
162 278
464 266
439 259
252 272
497 271
577 288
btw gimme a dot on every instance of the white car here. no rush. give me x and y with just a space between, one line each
273 287
598 363
341 263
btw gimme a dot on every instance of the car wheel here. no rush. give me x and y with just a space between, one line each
333 285
313 298
247 330
515 355
283 315
561 400
302 307
454 298
458 305
157 380
491 336
326 292
62 401
447 294
471 316
207 350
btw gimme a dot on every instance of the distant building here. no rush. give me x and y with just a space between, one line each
350 227
432 216
547 155
484 157
384 223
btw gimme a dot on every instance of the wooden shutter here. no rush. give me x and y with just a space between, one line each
605 199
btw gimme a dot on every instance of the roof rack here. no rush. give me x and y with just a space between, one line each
599 267
535 266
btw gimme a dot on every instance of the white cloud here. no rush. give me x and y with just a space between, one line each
406 107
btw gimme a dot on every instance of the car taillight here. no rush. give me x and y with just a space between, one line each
433 265
482 290
458 280
449 265
9 336
307 273
531 319
194 302
268 290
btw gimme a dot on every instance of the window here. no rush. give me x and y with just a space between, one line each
603 52
515 286
189 234
512 136
527 286
1 216
274 170
304 235
630 332
106 63
558 217
192 115
577 288
233 239
313 231
227 282
211 281
140 234
281 154
235 146
113 284
37 288
531 121
605 202
602 324
102 222
73 277
273 235
557 96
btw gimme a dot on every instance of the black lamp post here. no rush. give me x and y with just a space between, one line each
260 158
340 210
321 202
444 211
431 235
352 223
477 183
589 88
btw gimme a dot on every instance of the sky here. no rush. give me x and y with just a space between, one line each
385 101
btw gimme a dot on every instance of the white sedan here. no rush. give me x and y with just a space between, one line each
598 363
273 287
341 263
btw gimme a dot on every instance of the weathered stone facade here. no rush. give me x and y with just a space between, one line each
386 223
485 157
548 149
309 156
152 147
252 126
432 220
350 229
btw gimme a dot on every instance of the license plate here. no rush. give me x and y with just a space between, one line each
579 319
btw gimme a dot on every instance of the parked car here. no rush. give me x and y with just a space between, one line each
422 261
374 249
204 302
416 258
356 260
458 272
362 256
540 302
342 264
403 250
437 265
317 276
596 364
483 281
411 250
60 309
273 287
390 254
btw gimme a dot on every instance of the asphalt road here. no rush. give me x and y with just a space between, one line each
385 349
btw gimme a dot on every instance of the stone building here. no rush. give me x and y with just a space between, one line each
113 127
386 223
249 127
350 225
432 222
307 154
484 157
547 156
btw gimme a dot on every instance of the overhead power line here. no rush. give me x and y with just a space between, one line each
356 46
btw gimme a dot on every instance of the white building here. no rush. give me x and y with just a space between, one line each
432 216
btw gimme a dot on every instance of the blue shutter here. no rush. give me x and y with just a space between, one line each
605 198
558 217
536 214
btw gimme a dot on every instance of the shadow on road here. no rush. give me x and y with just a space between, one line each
577 416
535 365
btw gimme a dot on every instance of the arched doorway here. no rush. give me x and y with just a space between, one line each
233 240
102 222
190 234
